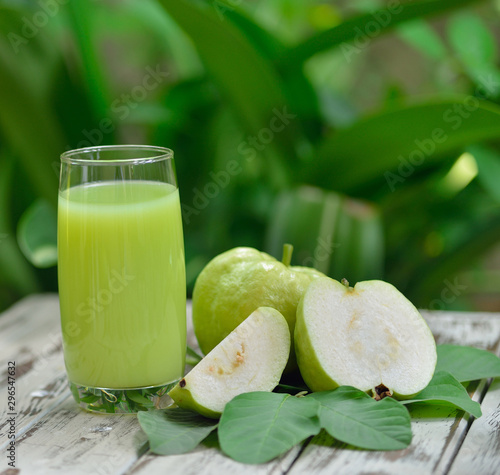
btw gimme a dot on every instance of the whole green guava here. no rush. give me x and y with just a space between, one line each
237 282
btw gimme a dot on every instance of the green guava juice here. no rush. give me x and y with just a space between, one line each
122 284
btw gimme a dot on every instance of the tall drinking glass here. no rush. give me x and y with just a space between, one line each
121 276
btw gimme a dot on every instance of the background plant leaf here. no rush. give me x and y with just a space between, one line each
38 142
400 137
466 363
422 36
245 77
15 273
98 88
297 88
353 417
385 19
443 390
259 426
427 278
37 234
337 235
174 431
475 46
488 169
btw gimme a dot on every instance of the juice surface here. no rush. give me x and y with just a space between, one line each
122 284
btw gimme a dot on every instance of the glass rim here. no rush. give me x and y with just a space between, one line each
157 154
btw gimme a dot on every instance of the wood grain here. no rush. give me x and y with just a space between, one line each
30 334
480 451
208 461
54 436
71 441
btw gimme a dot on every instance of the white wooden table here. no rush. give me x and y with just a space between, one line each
54 436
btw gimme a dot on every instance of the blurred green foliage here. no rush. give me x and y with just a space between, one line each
365 133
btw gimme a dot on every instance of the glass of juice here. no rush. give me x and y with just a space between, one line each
121 276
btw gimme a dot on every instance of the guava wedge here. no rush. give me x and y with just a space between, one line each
251 358
369 336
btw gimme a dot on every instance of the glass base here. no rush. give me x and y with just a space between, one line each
122 401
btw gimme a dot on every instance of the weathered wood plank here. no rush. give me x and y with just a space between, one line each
480 452
464 444
460 431
481 330
38 393
30 334
437 432
72 441
55 436
208 461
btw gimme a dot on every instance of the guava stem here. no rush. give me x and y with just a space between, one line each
287 254
345 282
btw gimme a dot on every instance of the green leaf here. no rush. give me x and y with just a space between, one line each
353 417
245 77
299 92
37 234
444 390
138 398
161 29
259 426
305 217
192 358
474 44
422 36
30 128
89 399
336 235
82 18
174 431
466 363
359 242
488 166
368 26
427 280
16 275
386 149
265 42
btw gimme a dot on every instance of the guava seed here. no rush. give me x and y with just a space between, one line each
381 391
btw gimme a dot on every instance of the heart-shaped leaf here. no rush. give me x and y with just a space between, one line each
445 390
257 427
174 431
353 417
466 363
